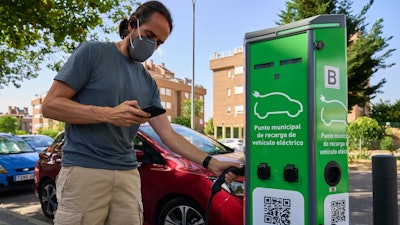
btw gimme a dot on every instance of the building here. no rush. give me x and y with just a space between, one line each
173 91
228 99
229 94
38 121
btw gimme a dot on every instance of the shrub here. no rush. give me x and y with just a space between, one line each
363 133
387 143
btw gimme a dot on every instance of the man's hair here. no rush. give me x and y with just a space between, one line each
143 13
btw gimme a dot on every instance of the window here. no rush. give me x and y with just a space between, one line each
187 95
201 121
238 109
163 104
238 90
168 105
228 92
162 91
168 92
228 73
238 70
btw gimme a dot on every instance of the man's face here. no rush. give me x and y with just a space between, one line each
156 28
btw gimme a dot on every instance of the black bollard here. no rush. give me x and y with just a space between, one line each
384 188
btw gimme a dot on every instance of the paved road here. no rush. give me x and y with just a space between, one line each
23 202
360 183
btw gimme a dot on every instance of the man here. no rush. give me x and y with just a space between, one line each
99 94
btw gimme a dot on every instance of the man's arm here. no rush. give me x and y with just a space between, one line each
58 105
183 147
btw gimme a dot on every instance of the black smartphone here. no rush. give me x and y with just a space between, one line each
154 110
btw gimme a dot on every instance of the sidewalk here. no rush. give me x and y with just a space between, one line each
8 217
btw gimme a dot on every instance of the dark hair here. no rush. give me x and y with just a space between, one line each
143 13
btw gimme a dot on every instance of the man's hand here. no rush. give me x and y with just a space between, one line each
127 113
218 167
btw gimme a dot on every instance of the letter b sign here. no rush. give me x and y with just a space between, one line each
332 77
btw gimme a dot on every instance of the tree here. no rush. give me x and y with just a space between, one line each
366 52
52 132
384 111
8 124
184 118
209 128
37 31
184 121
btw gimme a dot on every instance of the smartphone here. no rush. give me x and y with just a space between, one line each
154 110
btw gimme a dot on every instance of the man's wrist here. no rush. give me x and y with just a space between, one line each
206 161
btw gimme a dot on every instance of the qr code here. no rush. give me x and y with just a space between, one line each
277 211
338 211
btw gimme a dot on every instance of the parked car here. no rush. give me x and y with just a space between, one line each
17 162
38 141
235 143
173 189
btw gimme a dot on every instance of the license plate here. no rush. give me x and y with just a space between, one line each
24 177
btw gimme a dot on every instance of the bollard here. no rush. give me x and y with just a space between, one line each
384 188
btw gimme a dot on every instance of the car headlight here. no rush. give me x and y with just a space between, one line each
2 169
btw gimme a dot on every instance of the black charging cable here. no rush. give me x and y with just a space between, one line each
216 187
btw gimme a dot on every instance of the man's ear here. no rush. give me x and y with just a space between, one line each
133 22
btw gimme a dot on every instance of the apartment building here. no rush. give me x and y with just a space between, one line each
173 91
229 94
228 98
38 121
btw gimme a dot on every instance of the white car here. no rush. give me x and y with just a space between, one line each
234 143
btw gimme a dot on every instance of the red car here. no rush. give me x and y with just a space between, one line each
174 190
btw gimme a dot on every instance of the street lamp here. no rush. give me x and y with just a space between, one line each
192 101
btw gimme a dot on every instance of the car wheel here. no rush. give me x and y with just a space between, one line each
181 211
48 198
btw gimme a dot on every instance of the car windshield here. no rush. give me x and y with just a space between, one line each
13 145
199 140
36 141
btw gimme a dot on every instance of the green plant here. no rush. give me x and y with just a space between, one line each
209 128
364 132
387 143
50 132
8 124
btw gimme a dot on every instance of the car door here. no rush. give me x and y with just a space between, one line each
151 162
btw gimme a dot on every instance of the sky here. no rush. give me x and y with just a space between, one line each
220 25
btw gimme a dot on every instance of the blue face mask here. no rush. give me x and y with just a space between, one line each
141 48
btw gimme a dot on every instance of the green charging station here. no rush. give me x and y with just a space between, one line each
296 123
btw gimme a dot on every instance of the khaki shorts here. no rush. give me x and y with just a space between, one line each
98 197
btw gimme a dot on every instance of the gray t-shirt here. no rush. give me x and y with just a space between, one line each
102 76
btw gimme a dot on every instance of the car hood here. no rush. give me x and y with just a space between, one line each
16 161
